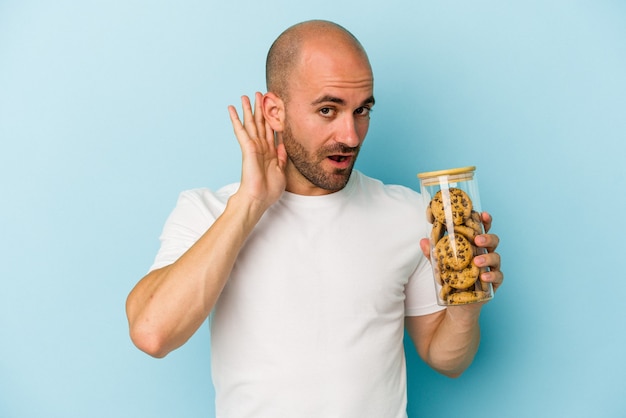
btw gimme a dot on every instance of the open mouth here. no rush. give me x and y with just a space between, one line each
339 158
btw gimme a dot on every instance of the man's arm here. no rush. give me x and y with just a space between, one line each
448 340
445 340
169 304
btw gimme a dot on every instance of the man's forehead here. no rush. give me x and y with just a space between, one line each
333 46
334 70
338 73
325 86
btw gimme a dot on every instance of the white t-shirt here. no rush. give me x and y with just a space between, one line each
311 321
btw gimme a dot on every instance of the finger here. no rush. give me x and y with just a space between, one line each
237 125
488 241
491 260
234 117
487 220
271 141
269 134
495 277
259 120
281 153
425 246
248 117
491 264
240 132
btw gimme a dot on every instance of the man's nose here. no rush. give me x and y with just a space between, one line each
348 134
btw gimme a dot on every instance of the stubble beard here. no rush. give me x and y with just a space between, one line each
310 167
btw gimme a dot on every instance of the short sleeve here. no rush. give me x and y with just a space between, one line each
194 213
420 291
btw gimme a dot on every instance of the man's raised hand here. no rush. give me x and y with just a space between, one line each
263 162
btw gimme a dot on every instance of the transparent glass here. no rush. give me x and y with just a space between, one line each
453 210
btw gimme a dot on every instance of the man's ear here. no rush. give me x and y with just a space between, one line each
274 111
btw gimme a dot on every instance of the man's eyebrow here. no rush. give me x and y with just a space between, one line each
328 98
332 99
369 101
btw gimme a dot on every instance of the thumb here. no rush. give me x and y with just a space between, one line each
425 246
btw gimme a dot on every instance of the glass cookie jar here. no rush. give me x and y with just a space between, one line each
453 210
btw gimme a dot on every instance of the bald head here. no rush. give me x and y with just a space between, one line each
285 53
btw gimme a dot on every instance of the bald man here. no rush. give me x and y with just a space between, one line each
308 270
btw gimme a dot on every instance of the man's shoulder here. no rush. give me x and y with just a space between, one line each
374 187
206 192
207 198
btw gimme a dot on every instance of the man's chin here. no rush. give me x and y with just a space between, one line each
339 179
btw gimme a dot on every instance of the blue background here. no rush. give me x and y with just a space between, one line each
108 109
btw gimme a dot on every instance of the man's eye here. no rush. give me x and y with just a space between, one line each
363 111
326 111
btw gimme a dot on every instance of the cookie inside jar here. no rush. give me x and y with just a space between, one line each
453 210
